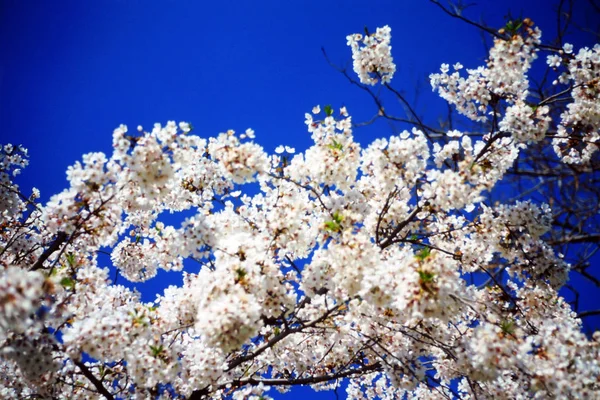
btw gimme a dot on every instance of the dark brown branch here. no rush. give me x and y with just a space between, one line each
589 276
468 21
412 112
277 338
99 386
21 195
61 237
312 379
591 238
390 239
588 313
489 144
203 393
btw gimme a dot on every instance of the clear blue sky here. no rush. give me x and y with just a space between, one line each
72 71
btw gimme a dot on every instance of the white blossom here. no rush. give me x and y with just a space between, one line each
372 55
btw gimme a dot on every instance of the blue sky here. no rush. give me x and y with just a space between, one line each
72 71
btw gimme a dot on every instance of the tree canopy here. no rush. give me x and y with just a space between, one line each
400 265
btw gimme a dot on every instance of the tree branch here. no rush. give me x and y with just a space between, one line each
99 386
588 313
61 237
312 379
390 239
591 238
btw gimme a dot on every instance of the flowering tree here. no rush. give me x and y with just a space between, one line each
348 261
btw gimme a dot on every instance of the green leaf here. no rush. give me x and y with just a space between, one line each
425 276
93 186
156 350
335 224
337 217
508 327
513 26
423 253
335 145
139 319
71 259
328 110
332 226
67 282
240 274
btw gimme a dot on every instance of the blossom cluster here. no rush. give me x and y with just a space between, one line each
12 160
578 132
20 297
504 76
372 56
